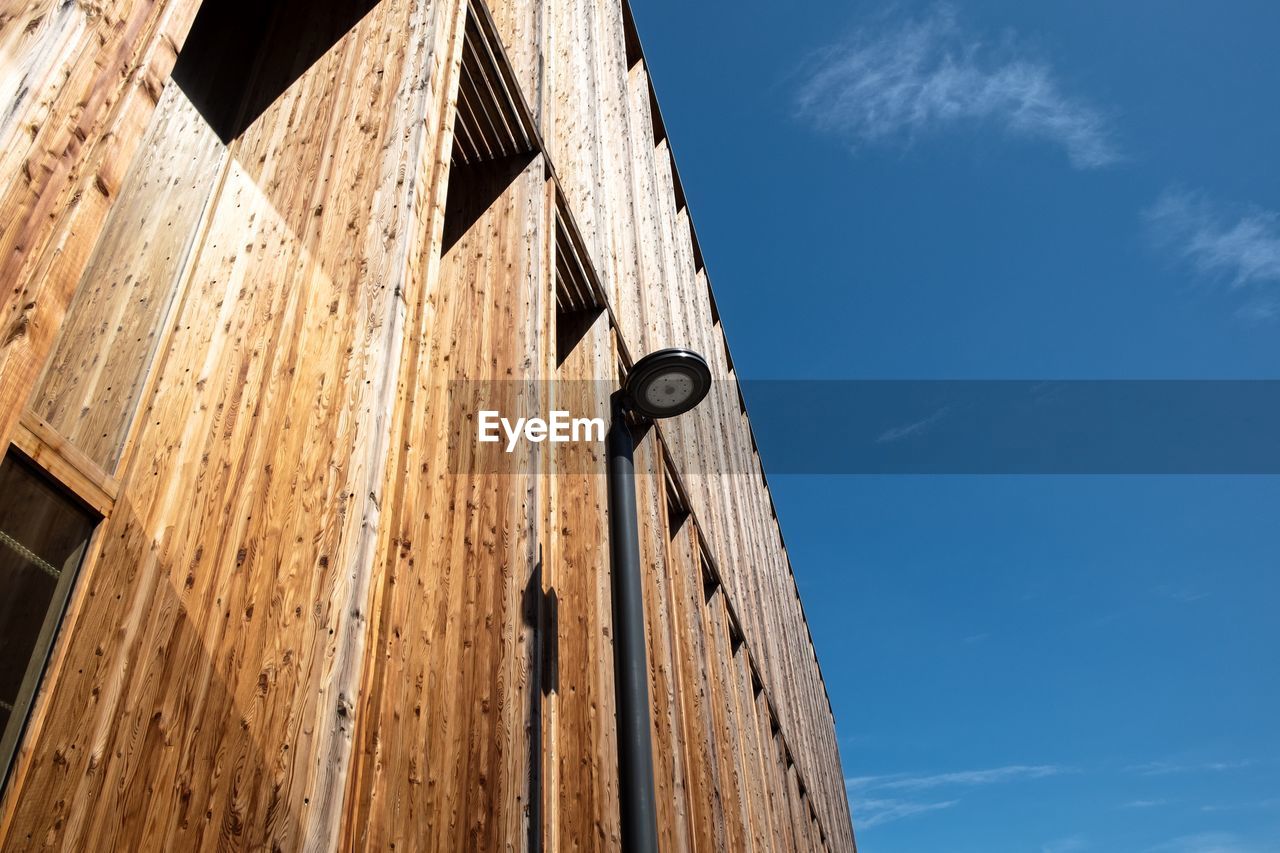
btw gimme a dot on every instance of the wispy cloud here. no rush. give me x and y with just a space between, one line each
917 428
1164 768
870 813
1238 245
877 800
907 782
1268 804
1183 593
1205 842
1261 310
891 85
1142 804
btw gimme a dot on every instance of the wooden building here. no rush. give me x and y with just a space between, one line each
248 599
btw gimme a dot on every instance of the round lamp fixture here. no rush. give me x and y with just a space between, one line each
668 382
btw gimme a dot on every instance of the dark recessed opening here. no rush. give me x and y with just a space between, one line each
473 188
710 583
677 515
639 429
571 328
578 301
677 510
241 55
735 635
634 52
655 118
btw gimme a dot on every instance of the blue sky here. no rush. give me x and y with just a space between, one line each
1003 189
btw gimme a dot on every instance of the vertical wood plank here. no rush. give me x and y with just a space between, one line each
79 84
93 380
444 749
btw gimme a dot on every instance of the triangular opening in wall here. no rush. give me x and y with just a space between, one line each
241 55
579 300
635 53
494 136
677 505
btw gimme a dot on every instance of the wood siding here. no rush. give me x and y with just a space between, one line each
237 329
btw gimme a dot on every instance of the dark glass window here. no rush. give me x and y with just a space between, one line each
43 534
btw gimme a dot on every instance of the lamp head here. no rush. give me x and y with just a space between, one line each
667 383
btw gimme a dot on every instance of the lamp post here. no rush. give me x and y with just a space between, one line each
663 384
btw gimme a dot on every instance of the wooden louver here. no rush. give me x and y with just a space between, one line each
492 120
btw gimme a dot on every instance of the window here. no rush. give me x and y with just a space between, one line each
43 536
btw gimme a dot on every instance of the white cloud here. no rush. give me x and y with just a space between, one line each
917 428
1183 593
1260 310
905 782
1143 804
1268 804
877 800
1205 842
892 85
1240 246
1164 768
877 812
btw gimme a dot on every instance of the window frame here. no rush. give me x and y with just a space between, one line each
86 484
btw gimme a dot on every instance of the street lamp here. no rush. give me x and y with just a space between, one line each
663 384
667 383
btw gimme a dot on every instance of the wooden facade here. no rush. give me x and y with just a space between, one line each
247 250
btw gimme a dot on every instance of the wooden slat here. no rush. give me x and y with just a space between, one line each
445 747
44 446
575 290
733 784
82 82
494 119
581 790
665 700
93 380
502 77
693 649
486 112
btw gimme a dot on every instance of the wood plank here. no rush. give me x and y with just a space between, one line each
93 380
665 705
84 84
736 815
701 750
582 788
445 746
64 462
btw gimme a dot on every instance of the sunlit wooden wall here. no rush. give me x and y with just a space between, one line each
302 623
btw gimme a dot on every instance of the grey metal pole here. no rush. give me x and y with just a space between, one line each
635 749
